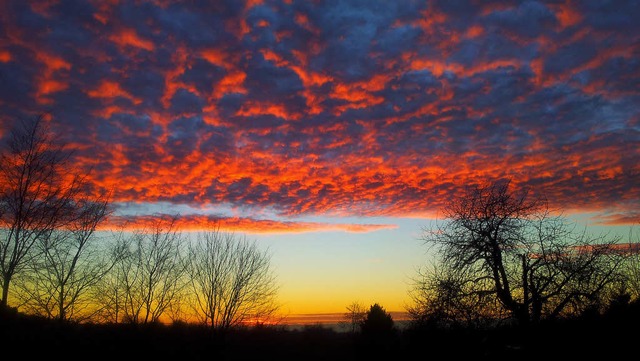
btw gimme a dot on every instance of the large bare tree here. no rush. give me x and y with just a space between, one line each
147 281
110 297
70 263
231 280
38 186
501 246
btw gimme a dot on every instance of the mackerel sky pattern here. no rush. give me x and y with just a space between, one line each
281 110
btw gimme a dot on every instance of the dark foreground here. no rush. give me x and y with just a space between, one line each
593 338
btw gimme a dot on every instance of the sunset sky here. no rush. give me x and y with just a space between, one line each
332 132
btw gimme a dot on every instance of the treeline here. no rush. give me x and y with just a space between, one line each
607 335
54 264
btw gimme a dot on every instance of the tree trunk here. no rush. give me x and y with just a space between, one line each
5 291
536 310
61 313
523 315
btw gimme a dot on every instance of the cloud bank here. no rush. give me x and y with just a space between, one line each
337 108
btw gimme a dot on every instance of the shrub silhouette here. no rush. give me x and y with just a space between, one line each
377 321
377 331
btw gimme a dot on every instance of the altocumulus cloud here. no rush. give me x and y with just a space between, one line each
338 108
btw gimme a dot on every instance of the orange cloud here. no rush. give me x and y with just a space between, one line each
262 108
391 143
359 94
566 14
216 57
309 78
474 31
111 89
5 56
239 224
171 76
435 66
233 80
49 86
127 37
50 81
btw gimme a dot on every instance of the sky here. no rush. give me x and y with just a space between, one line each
333 132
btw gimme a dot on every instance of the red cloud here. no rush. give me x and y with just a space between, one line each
247 225
50 80
129 38
5 56
112 89
391 126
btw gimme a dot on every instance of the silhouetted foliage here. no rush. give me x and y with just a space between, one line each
230 279
500 251
378 333
631 267
48 214
149 277
62 282
377 321
604 336
354 316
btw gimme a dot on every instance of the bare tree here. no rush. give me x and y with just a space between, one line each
148 279
110 296
38 186
356 313
632 267
70 263
502 244
445 296
231 280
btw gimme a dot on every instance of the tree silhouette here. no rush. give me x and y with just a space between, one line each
39 192
149 277
231 280
501 247
632 267
443 296
354 316
378 333
60 282
377 321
